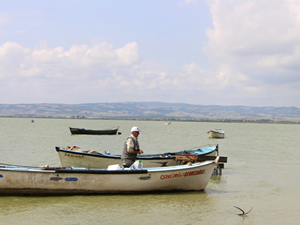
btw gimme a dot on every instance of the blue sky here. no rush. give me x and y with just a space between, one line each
204 52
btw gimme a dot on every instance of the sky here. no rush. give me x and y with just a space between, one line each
202 52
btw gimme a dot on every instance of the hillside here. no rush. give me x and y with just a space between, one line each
152 110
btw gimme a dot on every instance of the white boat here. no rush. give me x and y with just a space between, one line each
216 134
93 159
23 180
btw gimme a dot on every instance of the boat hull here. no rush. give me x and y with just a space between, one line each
93 132
92 160
35 181
216 134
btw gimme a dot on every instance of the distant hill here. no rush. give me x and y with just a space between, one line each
151 110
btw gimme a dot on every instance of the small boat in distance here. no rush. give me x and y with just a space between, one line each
113 131
27 180
169 123
218 133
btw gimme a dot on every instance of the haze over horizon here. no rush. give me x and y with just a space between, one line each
201 52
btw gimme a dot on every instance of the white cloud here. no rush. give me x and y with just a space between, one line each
247 28
259 43
253 47
45 70
128 55
100 73
97 73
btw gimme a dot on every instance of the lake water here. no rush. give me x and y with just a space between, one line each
263 170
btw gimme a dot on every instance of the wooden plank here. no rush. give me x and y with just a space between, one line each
194 158
187 158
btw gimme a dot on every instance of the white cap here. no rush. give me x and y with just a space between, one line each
135 129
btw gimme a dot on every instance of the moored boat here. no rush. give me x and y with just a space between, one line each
216 134
23 180
94 159
113 131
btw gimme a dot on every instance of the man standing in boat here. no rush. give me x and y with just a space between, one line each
131 148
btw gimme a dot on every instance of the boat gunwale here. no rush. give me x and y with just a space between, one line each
177 168
167 155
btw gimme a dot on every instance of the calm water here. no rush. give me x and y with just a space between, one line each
263 170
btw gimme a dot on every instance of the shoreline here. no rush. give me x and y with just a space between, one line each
219 120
